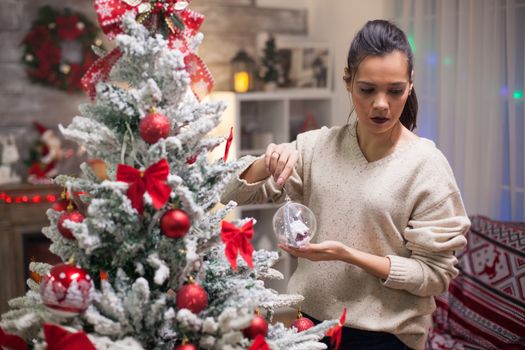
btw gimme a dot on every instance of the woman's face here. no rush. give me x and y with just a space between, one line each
379 91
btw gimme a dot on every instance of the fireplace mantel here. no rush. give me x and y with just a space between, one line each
17 220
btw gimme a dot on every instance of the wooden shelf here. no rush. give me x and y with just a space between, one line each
259 118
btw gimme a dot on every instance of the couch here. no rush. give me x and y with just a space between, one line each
484 308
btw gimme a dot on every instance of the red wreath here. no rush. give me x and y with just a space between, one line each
43 56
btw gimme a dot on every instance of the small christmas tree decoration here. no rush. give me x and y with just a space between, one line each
258 326
175 223
192 297
154 126
185 346
67 290
72 215
302 323
269 71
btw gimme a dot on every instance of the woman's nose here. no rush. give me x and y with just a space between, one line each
380 102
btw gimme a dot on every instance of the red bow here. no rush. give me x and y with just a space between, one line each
110 14
152 180
336 332
11 342
259 343
238 240
228 144
58 338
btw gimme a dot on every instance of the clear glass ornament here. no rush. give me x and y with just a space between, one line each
294 224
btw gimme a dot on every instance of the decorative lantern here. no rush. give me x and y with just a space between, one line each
243 67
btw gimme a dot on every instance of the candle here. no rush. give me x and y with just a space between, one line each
241 82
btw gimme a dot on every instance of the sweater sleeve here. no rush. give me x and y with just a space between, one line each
264 191
432 238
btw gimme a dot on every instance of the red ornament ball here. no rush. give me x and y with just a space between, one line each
185 347
60 205
170 10
192 297
74 216
256 327
153 127
302 324
175 223
67 290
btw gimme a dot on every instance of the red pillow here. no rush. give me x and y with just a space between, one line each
485 304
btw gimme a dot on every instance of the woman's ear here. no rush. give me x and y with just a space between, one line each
346 75
411 86
346 78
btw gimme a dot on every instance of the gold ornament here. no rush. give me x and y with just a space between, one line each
170 24
52 25
98 42
81 25
29 57
65 68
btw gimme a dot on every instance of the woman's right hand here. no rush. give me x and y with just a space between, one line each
280 160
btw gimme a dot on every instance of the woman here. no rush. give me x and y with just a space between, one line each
390 215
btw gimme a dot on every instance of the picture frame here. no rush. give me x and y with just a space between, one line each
305 65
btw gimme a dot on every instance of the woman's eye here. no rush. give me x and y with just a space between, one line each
396 92
367 91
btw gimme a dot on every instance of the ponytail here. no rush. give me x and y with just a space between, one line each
409 115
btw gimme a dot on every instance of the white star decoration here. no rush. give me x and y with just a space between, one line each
104 10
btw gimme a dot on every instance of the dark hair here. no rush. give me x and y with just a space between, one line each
378 38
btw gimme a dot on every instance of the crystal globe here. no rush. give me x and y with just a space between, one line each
294 224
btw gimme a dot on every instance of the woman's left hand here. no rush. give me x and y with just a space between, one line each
324 251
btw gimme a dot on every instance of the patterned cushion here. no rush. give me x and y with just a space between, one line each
484 307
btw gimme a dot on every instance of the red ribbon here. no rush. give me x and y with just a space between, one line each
99 71
201 80
228 144
237 241
57 338
259 343
110 14
153 180
11 341
336 332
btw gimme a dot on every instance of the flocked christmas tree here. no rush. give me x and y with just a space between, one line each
157 266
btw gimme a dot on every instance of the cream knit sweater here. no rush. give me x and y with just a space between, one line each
405 206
